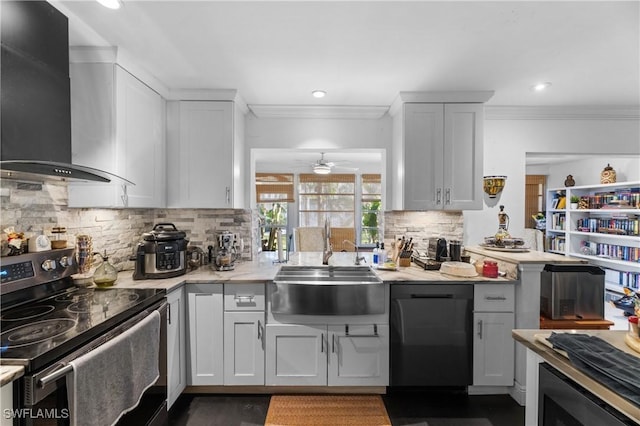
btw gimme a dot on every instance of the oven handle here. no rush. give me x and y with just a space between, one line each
67 368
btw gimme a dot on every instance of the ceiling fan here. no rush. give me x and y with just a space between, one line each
324 167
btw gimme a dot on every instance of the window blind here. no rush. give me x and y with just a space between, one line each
272 187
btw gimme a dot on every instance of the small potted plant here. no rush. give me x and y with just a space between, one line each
574 202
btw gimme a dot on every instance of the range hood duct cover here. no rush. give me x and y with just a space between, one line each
35 111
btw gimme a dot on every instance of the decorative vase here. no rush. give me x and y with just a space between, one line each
569 181
608 175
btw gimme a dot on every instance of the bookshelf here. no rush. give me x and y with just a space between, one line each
604 229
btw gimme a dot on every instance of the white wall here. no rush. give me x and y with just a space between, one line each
586 171
508 140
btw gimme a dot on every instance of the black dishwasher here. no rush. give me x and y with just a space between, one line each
431 334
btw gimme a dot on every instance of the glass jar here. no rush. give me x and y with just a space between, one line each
490 269
105 274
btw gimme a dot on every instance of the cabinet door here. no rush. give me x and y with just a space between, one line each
493 350
360 358
200 152
205 334
463 156
244 348
140 132
92 127
176 346
117 125
423 152
296 355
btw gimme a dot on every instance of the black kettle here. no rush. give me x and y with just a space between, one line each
441 249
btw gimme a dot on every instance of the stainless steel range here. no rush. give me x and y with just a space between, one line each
46 322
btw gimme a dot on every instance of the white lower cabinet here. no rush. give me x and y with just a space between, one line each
296 355
493 345
205 305
176 346
319 355
359 358
244 348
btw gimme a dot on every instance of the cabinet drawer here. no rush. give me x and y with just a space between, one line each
494 298
244 297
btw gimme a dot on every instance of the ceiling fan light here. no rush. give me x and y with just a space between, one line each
321 169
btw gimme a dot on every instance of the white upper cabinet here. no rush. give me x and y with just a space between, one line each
438 153
205 150
117 125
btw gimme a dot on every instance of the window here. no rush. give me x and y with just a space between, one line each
370 202
273 192
327 197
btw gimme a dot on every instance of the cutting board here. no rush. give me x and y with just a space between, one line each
632 341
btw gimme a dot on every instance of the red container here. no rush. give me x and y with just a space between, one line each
490 269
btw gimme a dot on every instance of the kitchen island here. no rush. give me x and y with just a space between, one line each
538 352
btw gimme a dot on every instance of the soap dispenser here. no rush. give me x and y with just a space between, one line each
105 274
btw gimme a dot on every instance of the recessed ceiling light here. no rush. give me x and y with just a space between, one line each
318 93
539 87
111 4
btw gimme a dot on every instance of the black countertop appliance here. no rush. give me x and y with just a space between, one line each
162 253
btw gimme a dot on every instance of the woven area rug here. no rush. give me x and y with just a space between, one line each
317 410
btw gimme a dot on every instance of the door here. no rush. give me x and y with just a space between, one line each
463 156
493 351
423 153
205 302
176 346
359 355
244 348
296 355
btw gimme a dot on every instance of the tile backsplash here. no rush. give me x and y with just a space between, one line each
423 225
35 208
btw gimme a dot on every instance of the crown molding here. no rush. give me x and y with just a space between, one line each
561 113
468 97
329 111
113 55
228 95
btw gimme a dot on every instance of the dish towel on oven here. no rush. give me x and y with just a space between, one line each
109 381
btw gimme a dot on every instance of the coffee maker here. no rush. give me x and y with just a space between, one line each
226 251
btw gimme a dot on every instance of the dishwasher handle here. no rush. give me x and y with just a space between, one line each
432 296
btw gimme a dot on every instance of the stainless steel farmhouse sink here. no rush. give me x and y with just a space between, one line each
327 290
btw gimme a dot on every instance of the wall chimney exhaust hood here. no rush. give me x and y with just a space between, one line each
35 110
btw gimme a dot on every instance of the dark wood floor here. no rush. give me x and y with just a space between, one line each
417 408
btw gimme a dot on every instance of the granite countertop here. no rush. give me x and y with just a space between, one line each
264 269
531 256
9 373
562 364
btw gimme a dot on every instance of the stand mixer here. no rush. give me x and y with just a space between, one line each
226 251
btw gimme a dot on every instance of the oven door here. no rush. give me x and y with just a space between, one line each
41 397
562 402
